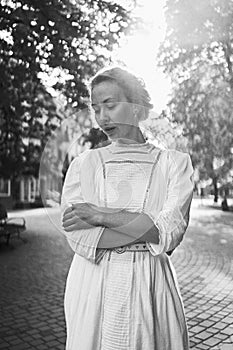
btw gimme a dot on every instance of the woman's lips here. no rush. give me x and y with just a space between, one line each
109 129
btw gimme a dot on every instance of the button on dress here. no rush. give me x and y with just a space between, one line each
129 300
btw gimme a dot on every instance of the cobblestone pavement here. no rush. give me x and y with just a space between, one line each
33 274
204 265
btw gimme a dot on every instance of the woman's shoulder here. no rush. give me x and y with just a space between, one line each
173 154
172 158
80 157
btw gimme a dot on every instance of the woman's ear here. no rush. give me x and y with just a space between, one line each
135 111
138 112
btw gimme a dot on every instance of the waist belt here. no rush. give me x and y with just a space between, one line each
137 247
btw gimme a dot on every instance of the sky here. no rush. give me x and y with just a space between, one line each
139 51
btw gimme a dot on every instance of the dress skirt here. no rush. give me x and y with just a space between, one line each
128 301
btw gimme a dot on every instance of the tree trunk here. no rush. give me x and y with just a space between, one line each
215 189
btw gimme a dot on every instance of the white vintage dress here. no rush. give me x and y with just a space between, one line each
128 301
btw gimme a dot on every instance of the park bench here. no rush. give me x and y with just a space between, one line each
10 226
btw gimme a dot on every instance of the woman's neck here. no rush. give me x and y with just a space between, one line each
133 138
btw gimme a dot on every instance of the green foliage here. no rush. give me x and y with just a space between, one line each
198 55
161 130
197 31
35 38
96 137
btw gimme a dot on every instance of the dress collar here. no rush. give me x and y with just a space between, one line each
122 146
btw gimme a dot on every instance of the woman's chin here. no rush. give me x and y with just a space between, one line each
113 135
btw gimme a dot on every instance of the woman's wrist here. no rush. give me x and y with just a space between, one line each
99 218
104 216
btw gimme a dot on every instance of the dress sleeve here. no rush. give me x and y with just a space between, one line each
172 220
83 242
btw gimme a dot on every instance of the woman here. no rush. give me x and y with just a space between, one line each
125 205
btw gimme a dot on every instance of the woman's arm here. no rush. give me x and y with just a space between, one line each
112 239
121 227
173 218
136 225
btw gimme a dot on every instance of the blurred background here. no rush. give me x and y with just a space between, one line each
49 50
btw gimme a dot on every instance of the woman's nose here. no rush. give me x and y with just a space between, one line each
104 117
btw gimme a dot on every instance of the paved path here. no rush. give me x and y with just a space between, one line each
204 266
32 281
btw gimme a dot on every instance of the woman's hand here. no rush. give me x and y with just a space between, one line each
81 216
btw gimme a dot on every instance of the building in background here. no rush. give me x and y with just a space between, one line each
28 191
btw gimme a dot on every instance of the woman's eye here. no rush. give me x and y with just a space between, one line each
110 105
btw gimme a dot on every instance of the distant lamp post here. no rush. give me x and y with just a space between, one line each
224 204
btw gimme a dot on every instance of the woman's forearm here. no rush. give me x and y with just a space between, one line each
136 225
121 227
112 239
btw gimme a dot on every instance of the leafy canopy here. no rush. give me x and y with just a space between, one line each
197 54
38 38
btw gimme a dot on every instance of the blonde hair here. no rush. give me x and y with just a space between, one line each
132 87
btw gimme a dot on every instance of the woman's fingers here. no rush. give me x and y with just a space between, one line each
72 225
68 216
69 222
68 210
69 228
79 205
78 215
74 207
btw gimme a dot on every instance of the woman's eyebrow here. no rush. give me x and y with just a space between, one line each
108 99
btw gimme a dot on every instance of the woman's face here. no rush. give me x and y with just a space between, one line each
113 113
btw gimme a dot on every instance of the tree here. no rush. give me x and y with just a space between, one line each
96 137
35 38
163 132
198 55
